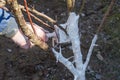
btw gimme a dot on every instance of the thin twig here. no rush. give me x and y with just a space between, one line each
105 16
82 7
40 14
47 25
29 17
90 51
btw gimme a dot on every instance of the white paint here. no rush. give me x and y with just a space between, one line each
71 26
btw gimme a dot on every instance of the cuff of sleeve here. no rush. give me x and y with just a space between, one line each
11 34
11 28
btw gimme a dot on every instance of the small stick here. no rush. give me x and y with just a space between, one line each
47 25
82 7
105 16
29 17
40 14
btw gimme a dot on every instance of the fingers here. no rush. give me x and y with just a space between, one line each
21 40
40 32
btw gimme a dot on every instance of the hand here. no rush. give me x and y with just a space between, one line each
40 32
20 39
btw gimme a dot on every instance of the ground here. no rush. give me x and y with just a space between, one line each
36 64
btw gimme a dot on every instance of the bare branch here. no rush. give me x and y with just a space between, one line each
47 25
29 17
90 51
105 15
82 7
64 61
41 14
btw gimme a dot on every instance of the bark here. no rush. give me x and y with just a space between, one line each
22 23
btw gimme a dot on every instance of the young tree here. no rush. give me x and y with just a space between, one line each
77 67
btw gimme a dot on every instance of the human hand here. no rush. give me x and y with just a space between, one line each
39 31
20 39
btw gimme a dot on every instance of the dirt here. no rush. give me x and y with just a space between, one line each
36 64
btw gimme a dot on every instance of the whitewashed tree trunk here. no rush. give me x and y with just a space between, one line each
71 26
80 76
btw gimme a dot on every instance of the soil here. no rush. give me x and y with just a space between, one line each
36 64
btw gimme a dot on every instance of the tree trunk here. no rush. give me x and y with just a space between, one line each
81 76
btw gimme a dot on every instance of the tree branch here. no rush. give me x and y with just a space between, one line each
65 61
22 23
90 52
82 7
105 16
29 17
41 14
36 18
